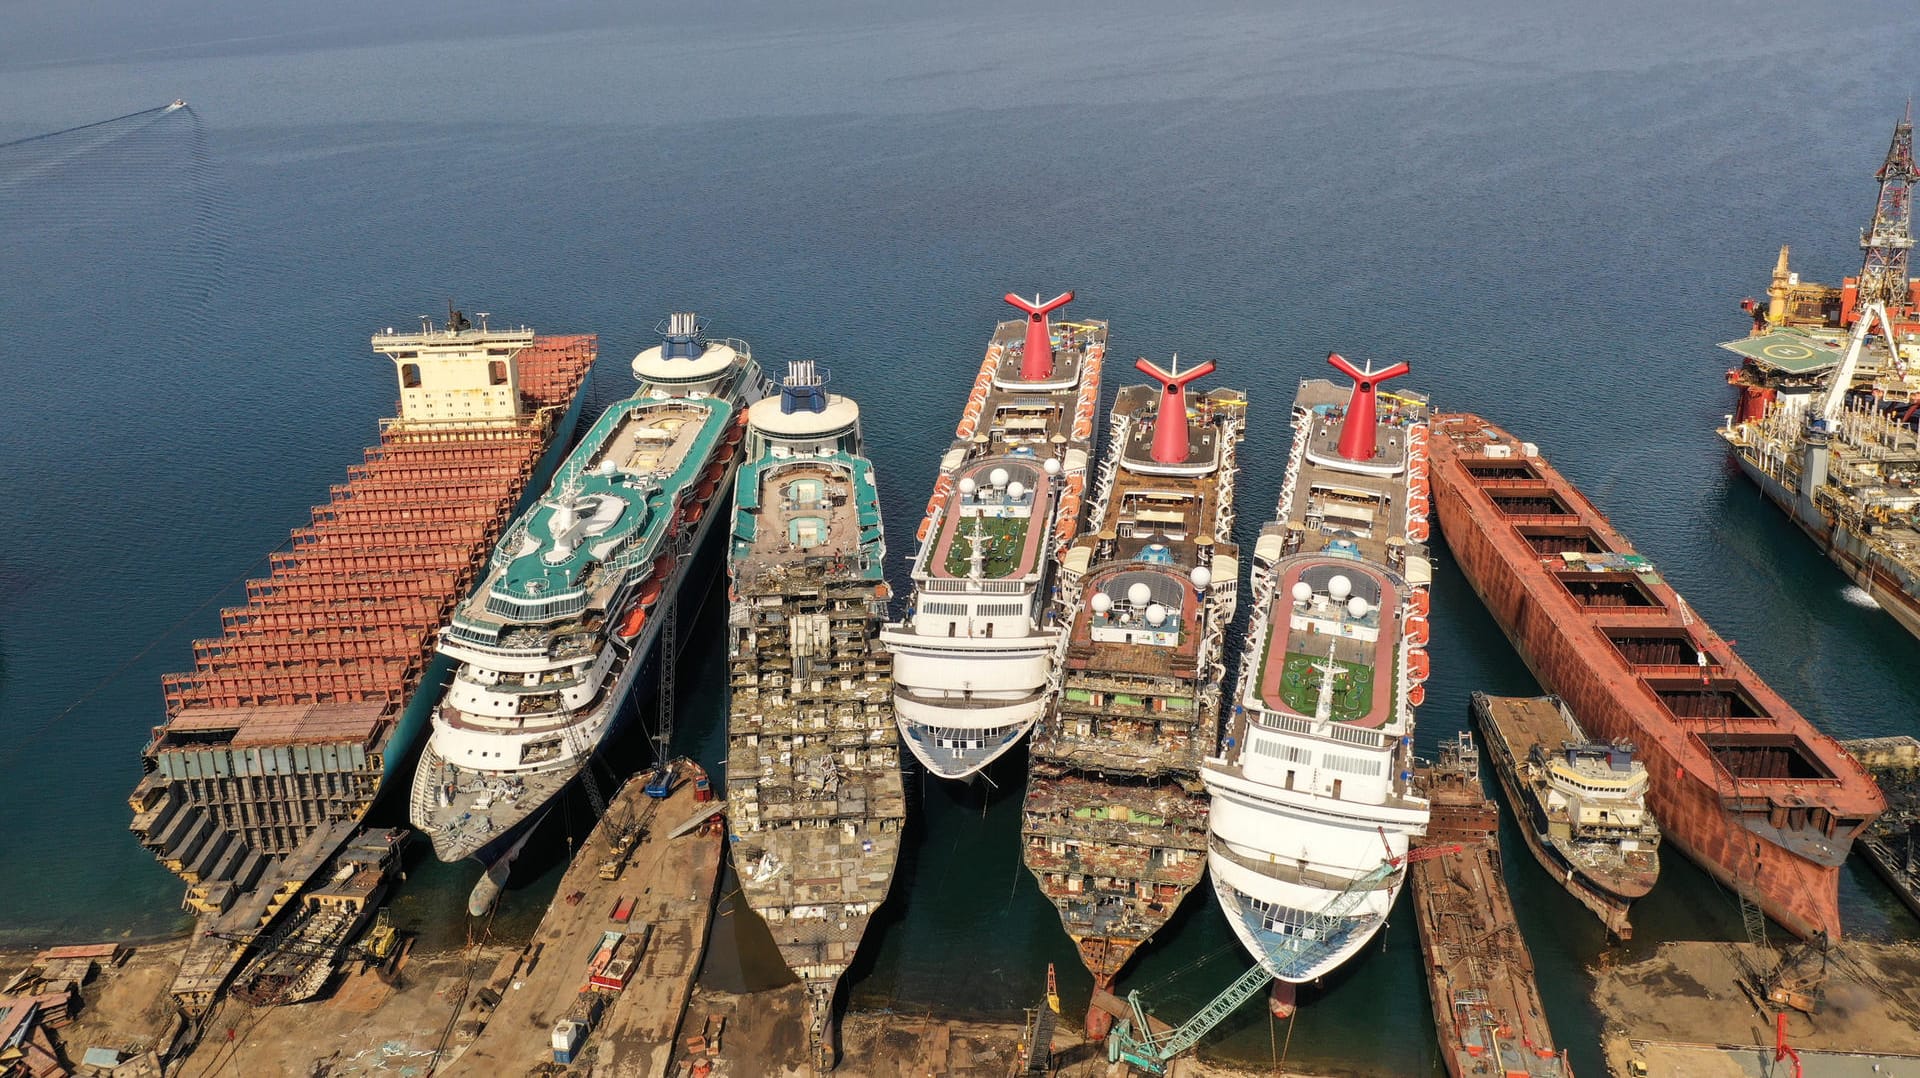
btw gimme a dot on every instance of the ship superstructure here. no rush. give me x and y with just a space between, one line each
815 804
1827 396
1582 804
1312 786
285 731
1115 818
975 659
1739 780
550 643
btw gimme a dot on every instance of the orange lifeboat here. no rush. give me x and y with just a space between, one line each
1418 665
635 620
1417 695
1422 601
1417 633
1418 505
1417 530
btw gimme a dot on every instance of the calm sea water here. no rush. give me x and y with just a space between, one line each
1550 213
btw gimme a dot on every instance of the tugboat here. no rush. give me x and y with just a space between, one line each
1116 817
814 794
1582 804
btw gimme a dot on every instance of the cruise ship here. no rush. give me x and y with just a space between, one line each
814 795
1115 821
550 643
1313 785
975 661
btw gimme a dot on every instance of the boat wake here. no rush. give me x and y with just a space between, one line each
1855 594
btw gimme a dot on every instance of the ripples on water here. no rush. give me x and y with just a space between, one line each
1549 212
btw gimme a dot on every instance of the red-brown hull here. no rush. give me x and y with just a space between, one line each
1702 809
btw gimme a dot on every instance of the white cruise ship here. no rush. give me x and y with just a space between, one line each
975 662
1313 798
550 643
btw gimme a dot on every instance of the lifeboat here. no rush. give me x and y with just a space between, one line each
1417 530
1418 505
635 620
1422 601
1417 633
977 401
1418 664
1417 695
940 488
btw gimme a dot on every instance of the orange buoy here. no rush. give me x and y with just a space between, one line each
1418 664
1417 695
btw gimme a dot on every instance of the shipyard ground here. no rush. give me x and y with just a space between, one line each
124 1007
1683 1012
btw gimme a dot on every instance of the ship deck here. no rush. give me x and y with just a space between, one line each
1009 528
788 512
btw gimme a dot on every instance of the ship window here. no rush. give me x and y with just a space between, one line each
410 375
497 372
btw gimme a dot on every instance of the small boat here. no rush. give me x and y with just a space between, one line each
178 103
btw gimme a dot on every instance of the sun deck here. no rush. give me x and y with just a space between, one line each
987 530
801 509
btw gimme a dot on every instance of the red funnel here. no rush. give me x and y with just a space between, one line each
1036 361
1170 423
1356 432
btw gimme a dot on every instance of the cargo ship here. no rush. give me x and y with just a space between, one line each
295 962
976 660
1115 820
1486 1002
1313 784
293 721
815 804
1739 781
1582 804
1827 398
553 638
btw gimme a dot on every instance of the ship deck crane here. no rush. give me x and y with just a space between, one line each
1154 1046
1842 383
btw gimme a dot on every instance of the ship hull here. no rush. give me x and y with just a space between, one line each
1894 591
1739 835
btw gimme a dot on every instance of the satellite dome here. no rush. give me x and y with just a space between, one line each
608 467
1156 614
1302 591
1201 576
1357 607
998 477
1016 490
1052 466
1102 602
968 486
1339 588
1138 593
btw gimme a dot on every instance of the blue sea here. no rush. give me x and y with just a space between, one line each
1549 210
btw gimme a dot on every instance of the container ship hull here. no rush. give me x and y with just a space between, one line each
1115 817
975 660
294 720
815 801
1579 606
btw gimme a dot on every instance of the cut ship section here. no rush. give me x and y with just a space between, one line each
814 793
975 656
1314 772
1115 819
